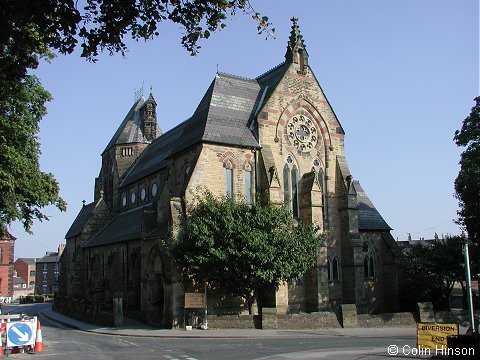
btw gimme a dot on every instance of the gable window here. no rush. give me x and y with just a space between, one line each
290 186
368 261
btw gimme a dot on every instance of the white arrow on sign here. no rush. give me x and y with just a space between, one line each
21 336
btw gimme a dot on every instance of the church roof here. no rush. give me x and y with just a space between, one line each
124 227
80 220
222 117
368 216
130 130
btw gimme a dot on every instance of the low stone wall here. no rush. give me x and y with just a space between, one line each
315 320
234 322
406 319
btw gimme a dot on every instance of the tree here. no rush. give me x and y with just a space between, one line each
29 28
245 249
24 189
32 30
430 270
467 183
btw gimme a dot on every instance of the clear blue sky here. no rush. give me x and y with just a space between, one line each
400 75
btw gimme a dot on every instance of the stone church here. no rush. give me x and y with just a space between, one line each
276 134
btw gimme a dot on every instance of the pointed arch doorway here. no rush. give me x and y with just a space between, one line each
155 286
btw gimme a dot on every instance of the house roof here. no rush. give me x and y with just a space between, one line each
28 261
124 227
221 117
368 216
50 258
80 221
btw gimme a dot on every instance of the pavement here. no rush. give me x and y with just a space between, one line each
137 329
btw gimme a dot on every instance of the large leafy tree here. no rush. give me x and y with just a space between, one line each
467 183
430 270
24 189
32 30
245 249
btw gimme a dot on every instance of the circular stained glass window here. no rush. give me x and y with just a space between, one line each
154 190
143 194
302 133
133 197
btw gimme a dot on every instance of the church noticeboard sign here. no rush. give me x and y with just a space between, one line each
194 301
434 335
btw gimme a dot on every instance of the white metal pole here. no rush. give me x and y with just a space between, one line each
206 311
469 288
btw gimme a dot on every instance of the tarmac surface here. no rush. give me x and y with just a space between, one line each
137 329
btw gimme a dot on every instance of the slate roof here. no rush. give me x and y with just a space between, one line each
49 259
80 220
368 216
126 226
130 130
222 117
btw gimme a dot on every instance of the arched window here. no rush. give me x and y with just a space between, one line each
329 272
335 269
185 175
290 186
368 261
247 173
332 268
317 166
229 178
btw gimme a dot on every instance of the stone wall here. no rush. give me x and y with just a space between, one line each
315 320
234 322
406 319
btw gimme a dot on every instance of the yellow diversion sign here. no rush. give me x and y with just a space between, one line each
434 335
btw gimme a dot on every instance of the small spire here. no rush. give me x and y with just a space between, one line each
296 50
83 202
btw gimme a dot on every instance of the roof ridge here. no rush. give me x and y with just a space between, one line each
220 73
271 70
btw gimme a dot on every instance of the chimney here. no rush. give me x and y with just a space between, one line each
61 247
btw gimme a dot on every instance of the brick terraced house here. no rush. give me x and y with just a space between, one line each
276 134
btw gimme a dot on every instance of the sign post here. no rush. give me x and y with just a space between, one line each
469 287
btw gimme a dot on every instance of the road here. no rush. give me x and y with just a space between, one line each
61 342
